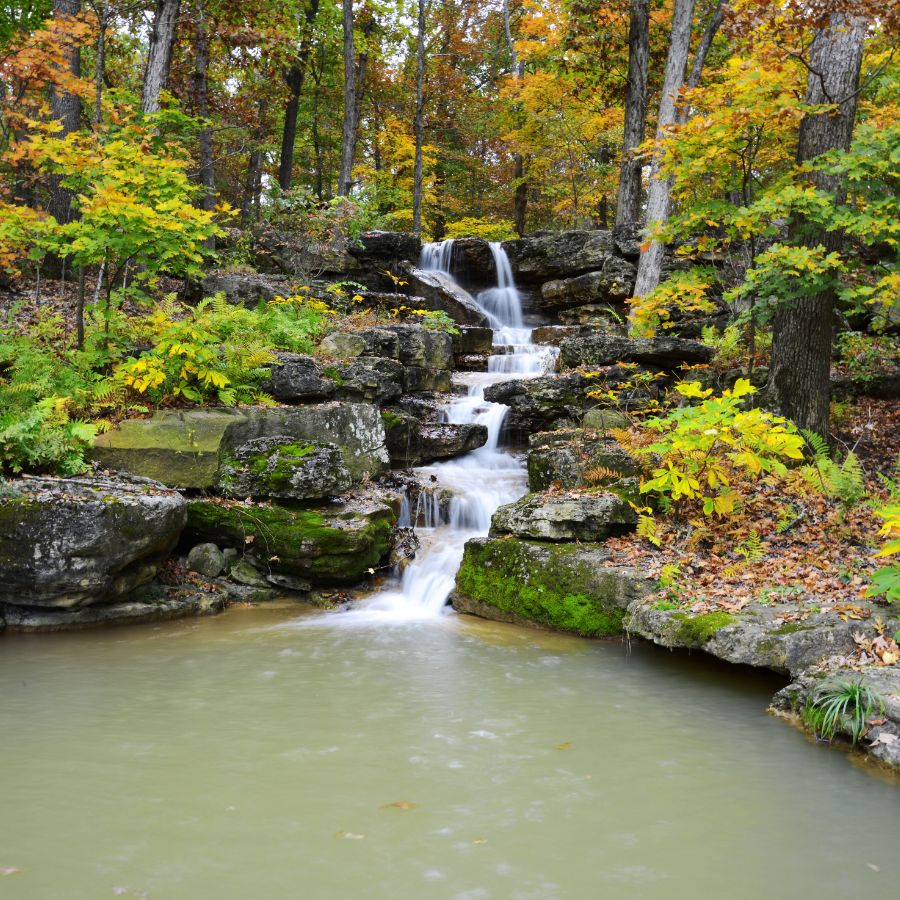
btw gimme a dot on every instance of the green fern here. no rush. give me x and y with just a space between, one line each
845 481
752 549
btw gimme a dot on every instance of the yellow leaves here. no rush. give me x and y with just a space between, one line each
692 389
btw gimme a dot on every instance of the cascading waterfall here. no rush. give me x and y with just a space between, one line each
479 481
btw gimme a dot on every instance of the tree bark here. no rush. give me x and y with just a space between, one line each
159 59
420 120
520 191
294 76
659 195
348 134
201 103
799 377
628 208
253 183
66 109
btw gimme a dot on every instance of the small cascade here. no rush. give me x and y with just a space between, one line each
477 482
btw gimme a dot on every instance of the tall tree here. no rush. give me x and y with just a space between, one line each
159 59
799 376
420 119
659 195
294 77
520 196
348 133
66 109
201 105
628 208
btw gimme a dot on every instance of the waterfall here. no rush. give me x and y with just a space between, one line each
479 481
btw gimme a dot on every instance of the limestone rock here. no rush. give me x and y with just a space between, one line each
375 341
440 292
472 339
597 315
72 542
356 428
472 263
539 258
569 517
553 335
614 282
331 544
179 448
606 350
605 419
540 404
412 442
244 573
385 249
279 467
425 347
299 379
245 288
206 559
368 378
565 587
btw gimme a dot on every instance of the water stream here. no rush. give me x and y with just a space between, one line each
480 481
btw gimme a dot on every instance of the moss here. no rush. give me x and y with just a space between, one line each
558 593
332 547
391 419
334 374
791 628
696 630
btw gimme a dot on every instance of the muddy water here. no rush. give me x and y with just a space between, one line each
258 755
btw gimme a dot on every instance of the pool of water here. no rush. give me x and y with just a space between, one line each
276 753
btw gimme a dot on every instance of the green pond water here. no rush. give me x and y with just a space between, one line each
266 754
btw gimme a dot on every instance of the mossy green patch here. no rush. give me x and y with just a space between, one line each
334 374
694 631
329 546
791 628
551 586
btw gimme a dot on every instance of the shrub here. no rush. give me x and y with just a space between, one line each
489 229
844 706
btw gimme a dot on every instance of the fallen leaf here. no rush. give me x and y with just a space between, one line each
349 835
399 804
886 738
480 841
9 870
566 746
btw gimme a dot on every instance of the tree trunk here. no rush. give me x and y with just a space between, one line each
253 183
420 120
201 102
100 64
628 208
348 135
520 191
660 194
159 59
799 377
294 77
66 109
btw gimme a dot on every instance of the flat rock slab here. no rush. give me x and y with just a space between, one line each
609 349
565 587
75 542
438 291
565 517
539 258
178 448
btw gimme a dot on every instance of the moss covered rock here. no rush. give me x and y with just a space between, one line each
74 542
289 470
178 448
333 544
566 587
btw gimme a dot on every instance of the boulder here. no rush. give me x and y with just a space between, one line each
292 253
579 462
385 249
605 419
472 263
627 240
614 282
299 379
606 350
540 404
355 428
206 559
332 544
279 467
553 335
412 442
244 573
570 588
438 291
72 542
417 379
368 378
179 448
569 517
375 341
425 347
596 315
245 288
472 339
542 257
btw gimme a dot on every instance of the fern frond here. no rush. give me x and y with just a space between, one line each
646 528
